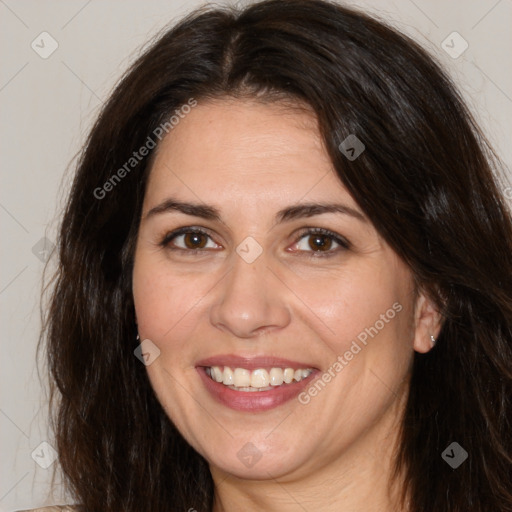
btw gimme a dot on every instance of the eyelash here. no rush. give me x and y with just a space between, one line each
343 243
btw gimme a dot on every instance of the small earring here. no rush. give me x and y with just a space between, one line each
138 337
433 340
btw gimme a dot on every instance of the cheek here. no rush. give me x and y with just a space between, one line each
360 302
151 295
163 299
366 318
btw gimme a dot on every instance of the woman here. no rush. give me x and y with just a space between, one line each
285 279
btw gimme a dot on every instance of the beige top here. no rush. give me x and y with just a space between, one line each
55 508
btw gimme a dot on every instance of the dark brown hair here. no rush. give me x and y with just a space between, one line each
424 180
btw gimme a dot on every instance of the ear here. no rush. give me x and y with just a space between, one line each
427 322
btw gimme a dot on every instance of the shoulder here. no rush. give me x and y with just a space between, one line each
56 508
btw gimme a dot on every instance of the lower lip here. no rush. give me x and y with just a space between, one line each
253 401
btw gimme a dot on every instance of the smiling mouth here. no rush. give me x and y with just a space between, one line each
258 380
255 383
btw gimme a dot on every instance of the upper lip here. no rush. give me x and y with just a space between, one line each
252 362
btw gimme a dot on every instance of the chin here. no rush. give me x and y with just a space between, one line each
255 466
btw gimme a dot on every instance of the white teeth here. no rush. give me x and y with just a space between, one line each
257 380
242 378
276 377
217 374
288 375
228 377
260 379
250 389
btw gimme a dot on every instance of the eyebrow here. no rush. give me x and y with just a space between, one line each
287 214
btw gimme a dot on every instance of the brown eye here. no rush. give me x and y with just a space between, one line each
189 239
320 243
195 240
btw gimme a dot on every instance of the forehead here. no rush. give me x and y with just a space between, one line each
245 150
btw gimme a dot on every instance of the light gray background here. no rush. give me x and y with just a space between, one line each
47 106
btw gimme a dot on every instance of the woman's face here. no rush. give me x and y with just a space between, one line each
274 267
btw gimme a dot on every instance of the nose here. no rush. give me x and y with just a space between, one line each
250 300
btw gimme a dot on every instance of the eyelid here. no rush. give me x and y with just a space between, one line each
343 243
168 237
306 231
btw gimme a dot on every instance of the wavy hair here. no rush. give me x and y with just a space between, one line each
425 181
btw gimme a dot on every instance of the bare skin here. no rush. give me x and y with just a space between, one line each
306 297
